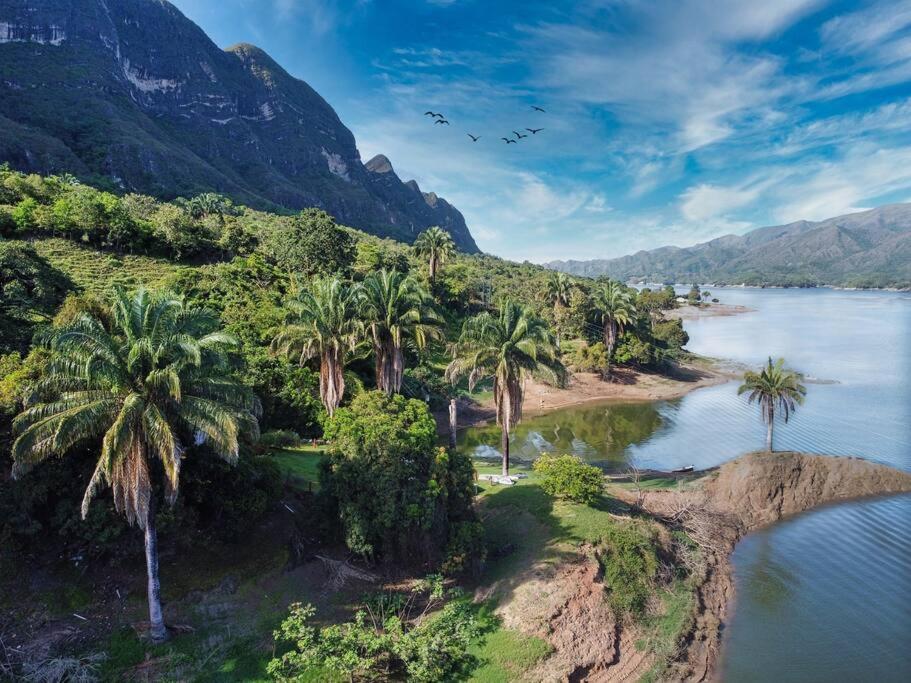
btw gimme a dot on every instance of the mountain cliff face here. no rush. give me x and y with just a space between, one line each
133 94
866 249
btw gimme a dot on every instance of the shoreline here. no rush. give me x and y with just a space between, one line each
722 505
626 385
690 312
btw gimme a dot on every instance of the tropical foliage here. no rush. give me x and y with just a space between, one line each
614 309
398 495
153 380
324 325
567 476
508 347
422 635
397 310
777 390
436 245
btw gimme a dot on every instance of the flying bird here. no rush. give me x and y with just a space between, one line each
536 108
519 135
433 114
474 138
534 131
508 141
443 121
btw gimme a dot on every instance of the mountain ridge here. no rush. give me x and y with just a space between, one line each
869 248
135 96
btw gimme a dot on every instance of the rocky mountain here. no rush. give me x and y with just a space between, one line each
132 94
866 249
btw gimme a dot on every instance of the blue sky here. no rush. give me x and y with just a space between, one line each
667 122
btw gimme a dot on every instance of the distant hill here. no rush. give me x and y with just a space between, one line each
866 249
133 95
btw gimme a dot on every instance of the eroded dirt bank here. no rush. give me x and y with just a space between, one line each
561 598
744 495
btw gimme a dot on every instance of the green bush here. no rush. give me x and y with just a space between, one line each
399 496
393 636
279 438
630 561
566 476
589 357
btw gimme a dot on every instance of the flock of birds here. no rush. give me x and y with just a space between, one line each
440 120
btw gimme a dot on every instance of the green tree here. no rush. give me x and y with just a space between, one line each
614 309
508 347
311 243
399 496
437 246
156 380
396 309
30 291
774 388
324 325
557 293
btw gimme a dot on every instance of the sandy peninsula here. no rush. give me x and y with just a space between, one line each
688 312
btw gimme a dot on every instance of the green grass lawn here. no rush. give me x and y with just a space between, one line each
542 528
300 465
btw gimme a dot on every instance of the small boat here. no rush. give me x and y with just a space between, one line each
683 470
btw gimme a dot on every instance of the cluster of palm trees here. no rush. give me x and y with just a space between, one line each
613 308
335 321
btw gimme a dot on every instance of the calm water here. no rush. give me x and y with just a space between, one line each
825 596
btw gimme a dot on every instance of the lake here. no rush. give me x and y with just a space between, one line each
826 595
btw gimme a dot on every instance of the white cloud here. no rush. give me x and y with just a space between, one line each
711 201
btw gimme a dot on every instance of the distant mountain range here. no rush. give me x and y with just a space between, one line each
131 94
866 249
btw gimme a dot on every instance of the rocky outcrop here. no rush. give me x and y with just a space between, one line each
134 95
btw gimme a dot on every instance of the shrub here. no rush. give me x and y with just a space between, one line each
398 495
589 357
671 333
630 561
566 476
395 636
280 438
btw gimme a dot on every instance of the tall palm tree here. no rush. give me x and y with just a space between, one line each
155 379
774 387
436 244
324 325
557 293
395 309
508 347
614 310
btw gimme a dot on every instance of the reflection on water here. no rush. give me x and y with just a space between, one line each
858 340
597 433
825 596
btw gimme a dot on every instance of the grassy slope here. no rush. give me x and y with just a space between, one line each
95 271
562 527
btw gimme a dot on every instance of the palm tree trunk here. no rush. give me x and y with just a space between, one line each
610 341
331 381
157 629
770 421
433 268
505 448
